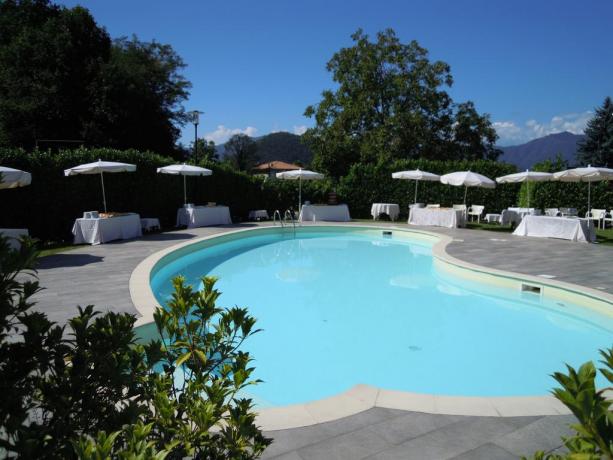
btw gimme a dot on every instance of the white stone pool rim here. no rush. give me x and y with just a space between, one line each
364 397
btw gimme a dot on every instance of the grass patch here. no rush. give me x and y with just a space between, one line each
55 248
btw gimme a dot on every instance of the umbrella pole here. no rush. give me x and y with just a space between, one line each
465 190
184 191
415 200
589 198
299 195
103 194
528 188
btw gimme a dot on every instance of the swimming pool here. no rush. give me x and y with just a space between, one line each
343 306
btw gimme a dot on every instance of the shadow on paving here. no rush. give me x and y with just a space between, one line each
67 260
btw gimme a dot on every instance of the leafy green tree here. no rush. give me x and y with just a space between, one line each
93 391
207 152
61 77
391 103
241 152
139 105
597 148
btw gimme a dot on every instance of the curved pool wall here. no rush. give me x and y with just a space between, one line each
467 276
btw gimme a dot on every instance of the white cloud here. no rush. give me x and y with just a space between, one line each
511 132
300 129
222 133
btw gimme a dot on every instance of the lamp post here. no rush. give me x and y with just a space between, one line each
195 119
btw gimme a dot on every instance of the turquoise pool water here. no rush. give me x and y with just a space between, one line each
344 308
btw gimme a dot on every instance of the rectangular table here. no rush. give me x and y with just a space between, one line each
572 229
14 235
329 213
202 216
437 217
391 209
104 229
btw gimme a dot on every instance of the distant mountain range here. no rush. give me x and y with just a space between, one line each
279 146
289 147
524 156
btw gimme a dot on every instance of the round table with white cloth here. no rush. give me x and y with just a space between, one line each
202 216
258 214
104 229
322 212
391 209
566 228
14 235
437 217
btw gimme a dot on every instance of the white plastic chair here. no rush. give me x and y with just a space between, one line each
597 215
552 212
433 206
607 219
476 210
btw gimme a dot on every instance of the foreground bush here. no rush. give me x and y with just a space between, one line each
593 438
89 390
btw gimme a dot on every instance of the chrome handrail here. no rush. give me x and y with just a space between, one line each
289 216
274 218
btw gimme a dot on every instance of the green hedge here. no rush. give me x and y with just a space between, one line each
366 184
49 206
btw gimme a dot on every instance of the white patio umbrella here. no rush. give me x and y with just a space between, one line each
300 175
416 175
589 175
184 170
525 176
13 178
467 179
100 167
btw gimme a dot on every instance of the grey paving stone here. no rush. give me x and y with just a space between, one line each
285 441
414 424
486 452
288 456
351 446
543 434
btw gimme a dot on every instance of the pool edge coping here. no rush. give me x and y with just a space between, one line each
363 397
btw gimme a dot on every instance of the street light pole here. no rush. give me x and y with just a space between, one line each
195 118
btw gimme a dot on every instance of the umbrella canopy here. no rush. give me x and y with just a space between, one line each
13 178
467 179
299 175
100 167
416 175
525 176
184 170
587 174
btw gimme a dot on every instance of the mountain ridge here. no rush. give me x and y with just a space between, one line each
526 155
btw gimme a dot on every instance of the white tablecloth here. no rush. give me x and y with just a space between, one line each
258 214
202 216
556 227
103 230
331 213
391 209
437 217
14 235
150 223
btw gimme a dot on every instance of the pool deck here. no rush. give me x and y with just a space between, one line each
99 275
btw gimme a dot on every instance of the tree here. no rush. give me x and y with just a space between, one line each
93 391
207 152
241 152
597 147
391 103
61 77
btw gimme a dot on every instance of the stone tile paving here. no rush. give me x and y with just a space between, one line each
100 275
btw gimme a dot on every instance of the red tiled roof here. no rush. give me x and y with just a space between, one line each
278 165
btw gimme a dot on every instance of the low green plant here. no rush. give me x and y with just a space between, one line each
593 437
91 390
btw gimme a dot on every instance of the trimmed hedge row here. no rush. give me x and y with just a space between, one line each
49 206
366 184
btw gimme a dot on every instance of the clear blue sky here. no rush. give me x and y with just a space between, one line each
535 66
